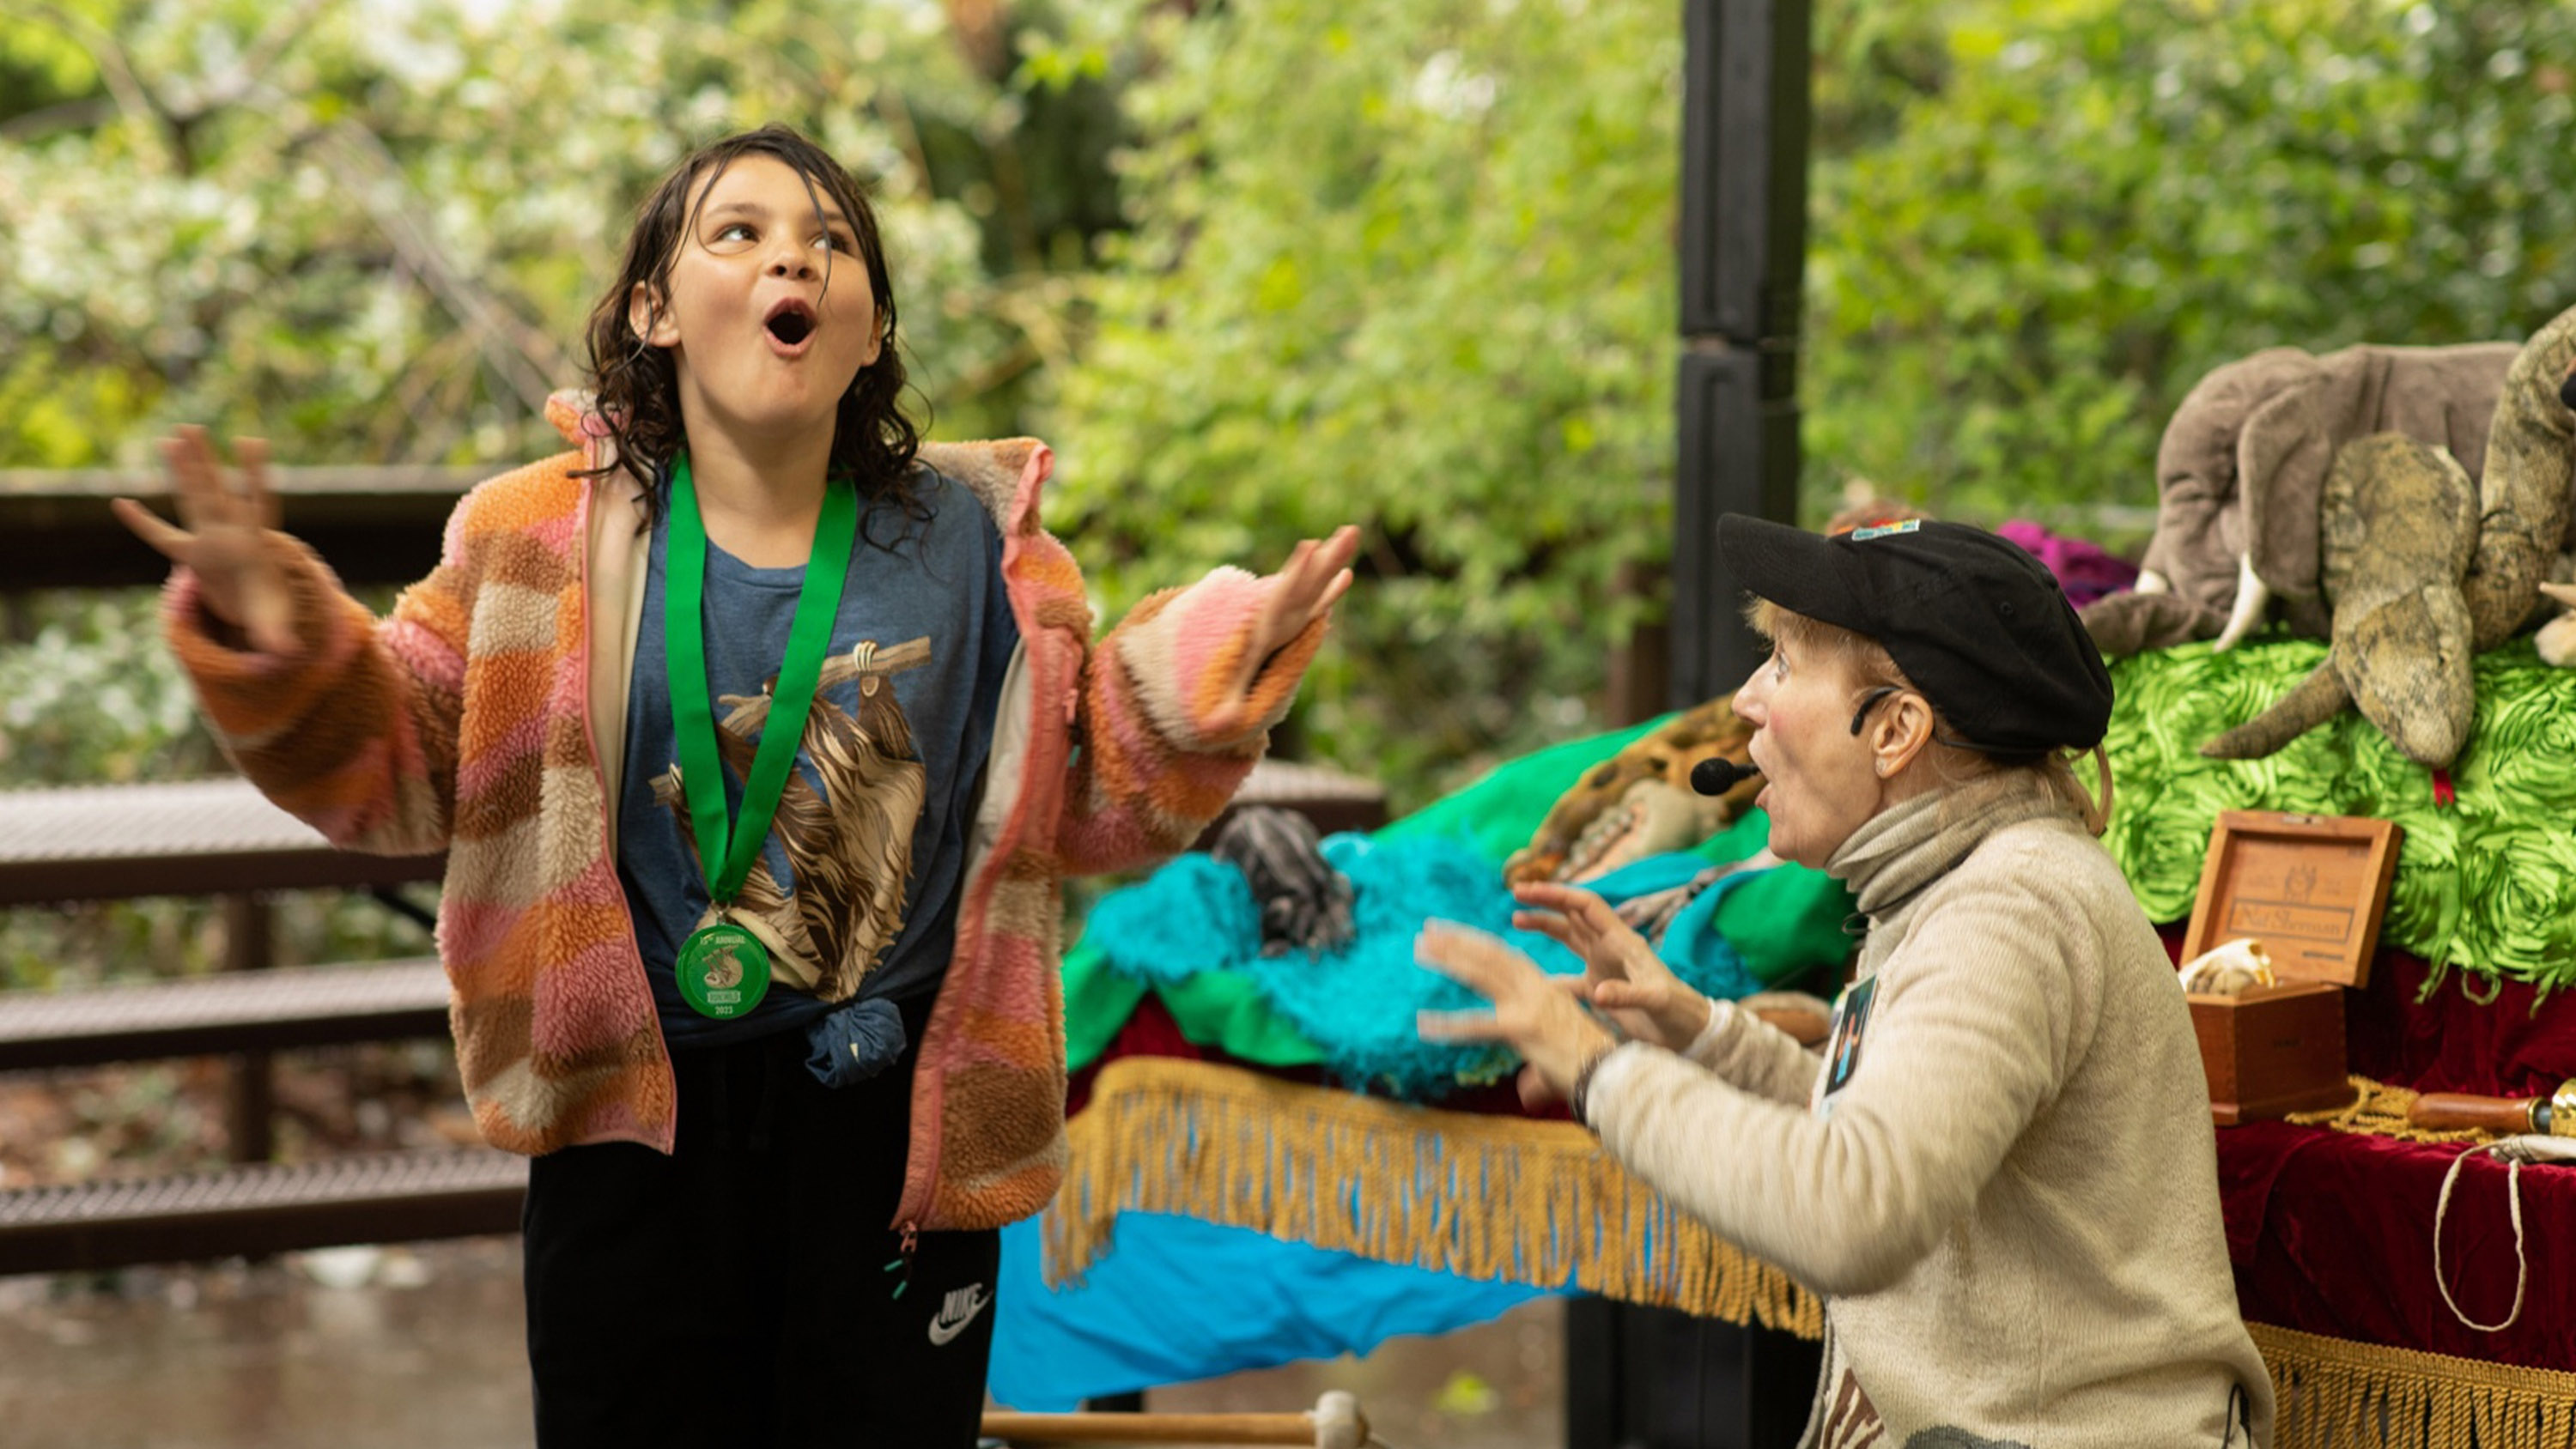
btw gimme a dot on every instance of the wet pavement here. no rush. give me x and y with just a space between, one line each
422 1348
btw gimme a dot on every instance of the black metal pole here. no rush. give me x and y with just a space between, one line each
1742 256
1643 1378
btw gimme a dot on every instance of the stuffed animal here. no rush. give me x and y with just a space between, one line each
1305 903
1639 802
2398 526
2242 468
2421 571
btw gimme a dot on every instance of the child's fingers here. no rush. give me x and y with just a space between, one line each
196 479
1556 928
171 541
1334 588
252 454
1339 549
1616 994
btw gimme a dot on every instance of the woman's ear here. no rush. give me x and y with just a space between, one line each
1899 733
649 318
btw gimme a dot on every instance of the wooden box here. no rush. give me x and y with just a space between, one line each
2311 888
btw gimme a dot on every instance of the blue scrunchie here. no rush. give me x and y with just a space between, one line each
855 1043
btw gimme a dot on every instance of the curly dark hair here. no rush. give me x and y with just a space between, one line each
637 385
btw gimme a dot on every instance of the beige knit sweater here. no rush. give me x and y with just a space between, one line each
2011 1205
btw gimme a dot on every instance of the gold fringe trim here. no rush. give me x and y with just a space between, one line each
2379 1110
1492 1198
2347 1395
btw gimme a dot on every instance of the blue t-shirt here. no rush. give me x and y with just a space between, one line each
855 892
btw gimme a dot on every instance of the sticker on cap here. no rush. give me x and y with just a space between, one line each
1864 535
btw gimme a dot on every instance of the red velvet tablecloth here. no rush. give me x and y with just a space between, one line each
2332 1232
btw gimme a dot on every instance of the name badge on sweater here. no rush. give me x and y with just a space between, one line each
1843 1042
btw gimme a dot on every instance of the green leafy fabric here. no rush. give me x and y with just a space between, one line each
2483 884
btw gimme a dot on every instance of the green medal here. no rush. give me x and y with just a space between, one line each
723 968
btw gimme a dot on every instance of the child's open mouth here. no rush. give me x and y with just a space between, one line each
790 324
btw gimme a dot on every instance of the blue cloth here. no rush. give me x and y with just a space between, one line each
855 1043
1357 1002
1144 1315
937 579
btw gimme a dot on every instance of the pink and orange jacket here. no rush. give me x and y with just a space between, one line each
486 715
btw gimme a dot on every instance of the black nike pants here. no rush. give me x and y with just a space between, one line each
737 1294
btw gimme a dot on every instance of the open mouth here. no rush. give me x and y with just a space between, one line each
791 321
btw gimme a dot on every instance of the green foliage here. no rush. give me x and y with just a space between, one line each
93 697
1406 263
373 233
2038 222
1403 262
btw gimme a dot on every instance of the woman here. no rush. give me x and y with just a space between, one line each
2001 1176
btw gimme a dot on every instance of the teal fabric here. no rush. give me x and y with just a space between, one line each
1188 940
1357 1003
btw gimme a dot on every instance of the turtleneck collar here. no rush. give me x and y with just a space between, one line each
1904 848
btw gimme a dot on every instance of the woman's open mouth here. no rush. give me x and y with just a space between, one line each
790 325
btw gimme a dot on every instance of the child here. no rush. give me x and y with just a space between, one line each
754 867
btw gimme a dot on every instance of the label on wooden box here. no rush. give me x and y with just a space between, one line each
2311 888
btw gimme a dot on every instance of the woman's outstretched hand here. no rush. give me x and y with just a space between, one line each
220 538
1304 589
1533 1014
1622 975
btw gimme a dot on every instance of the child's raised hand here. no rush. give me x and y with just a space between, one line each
1303 590
221 539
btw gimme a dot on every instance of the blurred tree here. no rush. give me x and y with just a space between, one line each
372 231
2038 222
1407 262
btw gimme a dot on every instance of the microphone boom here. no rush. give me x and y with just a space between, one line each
1717 774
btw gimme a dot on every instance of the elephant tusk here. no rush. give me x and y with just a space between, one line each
2252 597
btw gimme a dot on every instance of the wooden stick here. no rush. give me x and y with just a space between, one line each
1153 1428
2492 1114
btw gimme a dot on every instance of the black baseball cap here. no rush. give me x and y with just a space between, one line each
1979 625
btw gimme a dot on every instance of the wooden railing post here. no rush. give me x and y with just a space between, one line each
249 945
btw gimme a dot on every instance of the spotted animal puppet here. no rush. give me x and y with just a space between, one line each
1639 802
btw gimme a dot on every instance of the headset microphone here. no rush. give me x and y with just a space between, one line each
1717 774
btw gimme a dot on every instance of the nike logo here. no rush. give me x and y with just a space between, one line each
956 1311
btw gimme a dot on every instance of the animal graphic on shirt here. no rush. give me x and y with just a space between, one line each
849 842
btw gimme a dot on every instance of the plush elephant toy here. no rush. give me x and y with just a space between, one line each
2420 569
2241 475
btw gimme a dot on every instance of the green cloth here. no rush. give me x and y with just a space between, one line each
1220 1009
2483 884
1782 923
1501 811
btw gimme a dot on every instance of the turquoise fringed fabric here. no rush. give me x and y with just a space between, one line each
2486 884
1357 1003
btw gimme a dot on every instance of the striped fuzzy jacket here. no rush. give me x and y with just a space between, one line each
485 717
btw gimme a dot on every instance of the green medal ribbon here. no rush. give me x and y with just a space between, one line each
723 968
